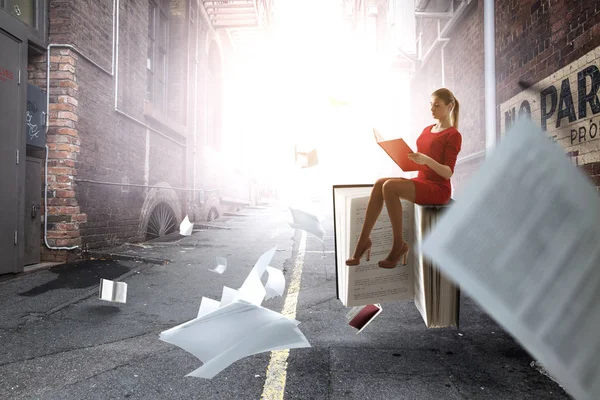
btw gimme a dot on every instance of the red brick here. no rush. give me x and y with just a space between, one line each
66 226
79 218
68 100
62 75
61 107
64 201
63 210
66 83
66 131
67 115
65 193
61 170
64 179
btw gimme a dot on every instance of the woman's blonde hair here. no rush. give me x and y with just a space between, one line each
448 97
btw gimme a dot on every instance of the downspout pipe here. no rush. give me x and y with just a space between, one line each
489 44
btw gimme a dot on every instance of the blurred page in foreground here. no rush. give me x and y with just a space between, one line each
523 241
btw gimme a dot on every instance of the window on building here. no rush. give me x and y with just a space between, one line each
22 9
156 64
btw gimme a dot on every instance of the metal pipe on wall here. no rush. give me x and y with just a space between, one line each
489 45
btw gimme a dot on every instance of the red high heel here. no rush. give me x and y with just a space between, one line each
389 264
356 260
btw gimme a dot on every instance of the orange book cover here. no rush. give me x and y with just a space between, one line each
398 151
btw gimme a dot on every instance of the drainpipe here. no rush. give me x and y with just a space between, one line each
489 42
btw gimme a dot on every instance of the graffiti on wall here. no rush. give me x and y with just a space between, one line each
5 75
566 106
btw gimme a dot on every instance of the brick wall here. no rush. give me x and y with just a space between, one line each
94 149
554 46
463 75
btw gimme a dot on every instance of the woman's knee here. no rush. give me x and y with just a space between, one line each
394 188
378 186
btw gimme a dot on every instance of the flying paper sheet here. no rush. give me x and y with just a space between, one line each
221 265
522 240
113 291
238 326
237 330
275 285
308 222
252 290
186 227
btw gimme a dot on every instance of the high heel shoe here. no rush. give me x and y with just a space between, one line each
356 260
389 264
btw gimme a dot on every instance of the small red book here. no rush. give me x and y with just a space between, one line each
360 317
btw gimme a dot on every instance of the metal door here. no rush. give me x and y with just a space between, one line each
33 201
10 122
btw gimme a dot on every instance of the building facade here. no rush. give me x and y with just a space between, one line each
546 59
112 115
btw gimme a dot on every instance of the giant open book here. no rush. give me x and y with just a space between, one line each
436 297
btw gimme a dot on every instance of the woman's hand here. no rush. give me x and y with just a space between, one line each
419 158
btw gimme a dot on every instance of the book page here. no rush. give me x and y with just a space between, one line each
341 232
522 240
367 282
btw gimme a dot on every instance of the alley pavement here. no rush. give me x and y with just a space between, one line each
59 341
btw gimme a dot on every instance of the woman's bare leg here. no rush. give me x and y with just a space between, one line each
393 190
374 208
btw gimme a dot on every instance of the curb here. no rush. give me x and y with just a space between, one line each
126 257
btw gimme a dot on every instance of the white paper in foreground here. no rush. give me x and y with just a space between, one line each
186 227
228 295
237 330
523 240
207 306
113 291
221 265
308 222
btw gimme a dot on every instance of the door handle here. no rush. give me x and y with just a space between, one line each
34 208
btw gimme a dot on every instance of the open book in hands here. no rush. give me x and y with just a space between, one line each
398 151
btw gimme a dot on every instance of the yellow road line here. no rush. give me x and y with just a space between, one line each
274 387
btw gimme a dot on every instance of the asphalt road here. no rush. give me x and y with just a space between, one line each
59 341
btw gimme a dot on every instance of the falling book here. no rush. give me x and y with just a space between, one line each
360 316
435 296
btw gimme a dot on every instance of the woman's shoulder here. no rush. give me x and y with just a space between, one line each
452 131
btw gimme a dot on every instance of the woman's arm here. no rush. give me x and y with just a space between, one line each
442 170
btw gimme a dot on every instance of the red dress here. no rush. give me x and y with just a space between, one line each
443 147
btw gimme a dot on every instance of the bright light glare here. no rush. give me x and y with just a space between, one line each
313 84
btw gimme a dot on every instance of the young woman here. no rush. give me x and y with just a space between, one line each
437 149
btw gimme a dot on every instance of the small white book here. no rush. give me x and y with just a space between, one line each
113 291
